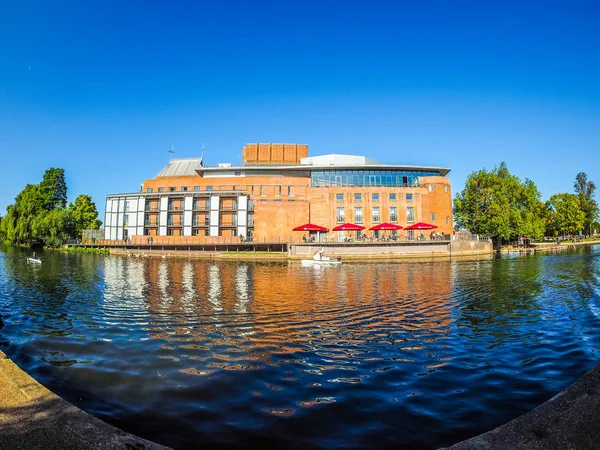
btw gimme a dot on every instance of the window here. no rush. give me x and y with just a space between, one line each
250 220
209 188
170 232
234 204
161 189
289 191
149 190
445 188
170 220
447 220
410 214
196 204
208 204
357 197
340 215
376 215
260 190
279 190
126 219
433 217
237 174
431 188
277 200
392 196
339 197
393 214
409 197
196 188
250 205
375 197
171 189
207 219
126 205
183 188
358 216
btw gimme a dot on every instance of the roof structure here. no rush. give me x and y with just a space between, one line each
181 167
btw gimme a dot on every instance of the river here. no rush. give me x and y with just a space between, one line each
193 353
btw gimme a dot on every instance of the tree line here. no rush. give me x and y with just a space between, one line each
41 216
499 205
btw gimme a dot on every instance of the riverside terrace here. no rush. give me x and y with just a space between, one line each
231 246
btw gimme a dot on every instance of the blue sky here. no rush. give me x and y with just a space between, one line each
104 89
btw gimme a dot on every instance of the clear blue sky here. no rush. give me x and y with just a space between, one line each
103 89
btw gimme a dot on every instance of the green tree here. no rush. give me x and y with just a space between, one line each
54 189
84 215
567 216
52 228
497 204
585 191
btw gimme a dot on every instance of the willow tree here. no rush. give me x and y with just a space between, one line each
499 205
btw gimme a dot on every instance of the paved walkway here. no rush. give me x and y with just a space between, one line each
32 417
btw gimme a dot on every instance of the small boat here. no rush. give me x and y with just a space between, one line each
34 260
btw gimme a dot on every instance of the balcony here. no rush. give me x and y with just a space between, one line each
175 208
149 223
151 208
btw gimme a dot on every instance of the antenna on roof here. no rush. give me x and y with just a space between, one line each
172 151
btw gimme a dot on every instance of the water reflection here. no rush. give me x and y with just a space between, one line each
194 353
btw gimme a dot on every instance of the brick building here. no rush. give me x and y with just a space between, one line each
276 188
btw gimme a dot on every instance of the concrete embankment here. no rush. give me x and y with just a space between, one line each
567 421
347 251
32 417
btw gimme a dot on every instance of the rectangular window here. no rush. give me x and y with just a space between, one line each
196 188
260 190
289 191
126 219
208 204
358 216
250 220
279 190
433 217
206 219
209 188
340 215
183 188
149 190
357 197
410 214
431 188
447 220
170 232
237 174
126 205
196 204
250 205
393 214
409 197
376 215
161 189
339 197
170 221
392 196
445 188
171 189
375 197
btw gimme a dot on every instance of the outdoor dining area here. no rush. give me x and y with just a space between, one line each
383 232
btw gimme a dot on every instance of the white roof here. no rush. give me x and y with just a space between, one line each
338 160
180 167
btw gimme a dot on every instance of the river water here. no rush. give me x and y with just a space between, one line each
196 353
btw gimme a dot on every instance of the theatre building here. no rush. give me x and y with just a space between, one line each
276 188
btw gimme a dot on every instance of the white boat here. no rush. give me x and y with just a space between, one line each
322 262
34 260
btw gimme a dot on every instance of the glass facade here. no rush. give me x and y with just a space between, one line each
384 178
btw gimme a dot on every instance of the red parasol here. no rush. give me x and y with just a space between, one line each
386 226
309 227
421 226
348 227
